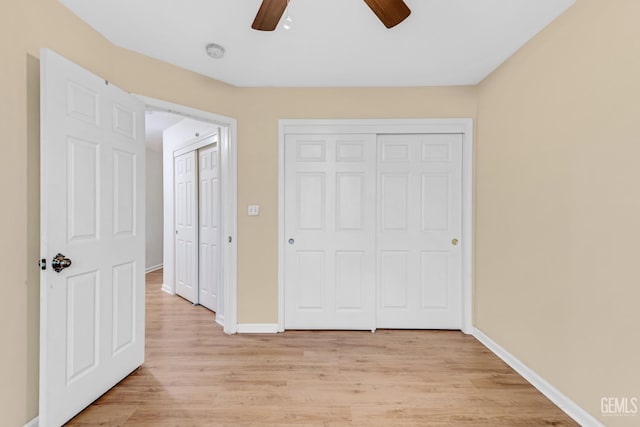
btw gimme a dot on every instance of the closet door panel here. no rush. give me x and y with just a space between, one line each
330 231
419 205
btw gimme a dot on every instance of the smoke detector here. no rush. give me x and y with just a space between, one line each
215 50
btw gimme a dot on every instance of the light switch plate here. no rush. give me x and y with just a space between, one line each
253 210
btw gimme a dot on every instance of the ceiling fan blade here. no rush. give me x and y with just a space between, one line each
390 12
269 15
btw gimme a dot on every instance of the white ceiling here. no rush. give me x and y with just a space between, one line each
332 42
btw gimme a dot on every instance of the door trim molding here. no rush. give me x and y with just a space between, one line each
229 196
197 143
463 126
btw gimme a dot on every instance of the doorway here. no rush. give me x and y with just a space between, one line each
196 127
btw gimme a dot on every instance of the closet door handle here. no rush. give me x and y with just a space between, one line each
291 241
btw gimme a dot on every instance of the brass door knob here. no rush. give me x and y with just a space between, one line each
454 242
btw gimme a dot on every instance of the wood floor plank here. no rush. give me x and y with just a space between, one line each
195 375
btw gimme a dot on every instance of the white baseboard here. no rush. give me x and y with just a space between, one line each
257 328
220 319
152 268
33 423
567 405
168 290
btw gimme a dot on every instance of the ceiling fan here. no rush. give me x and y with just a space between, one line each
390 12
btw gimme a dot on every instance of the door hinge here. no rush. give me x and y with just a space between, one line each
230 239
42 264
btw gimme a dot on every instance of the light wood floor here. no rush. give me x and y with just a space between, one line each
194 374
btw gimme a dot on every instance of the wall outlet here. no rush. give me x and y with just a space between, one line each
253 210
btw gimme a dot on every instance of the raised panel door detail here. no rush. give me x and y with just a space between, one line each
311 152
311 201
184 269
83 188
206 202
205 161
349 152
311 280
83 324
209 194
350 201
394 199
83 104
395 153
434 279
181 197
436 152
180 167
208 265
394 271
349 280
435 202
124 297
124 194
189 208
124 121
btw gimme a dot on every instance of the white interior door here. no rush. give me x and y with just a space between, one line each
209 207
186 221
419 225
92 211
330 231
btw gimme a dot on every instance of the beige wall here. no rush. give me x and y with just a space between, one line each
258 172
558 204
28 25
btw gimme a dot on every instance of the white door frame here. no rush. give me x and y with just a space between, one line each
388 126
228 197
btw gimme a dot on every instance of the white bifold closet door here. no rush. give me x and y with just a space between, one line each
209 219
372 229
330 232
186 219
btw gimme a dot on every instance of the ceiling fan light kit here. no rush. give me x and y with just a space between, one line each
390 13
287 22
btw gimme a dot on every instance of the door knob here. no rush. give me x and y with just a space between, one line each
454 242
60 262
291 241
